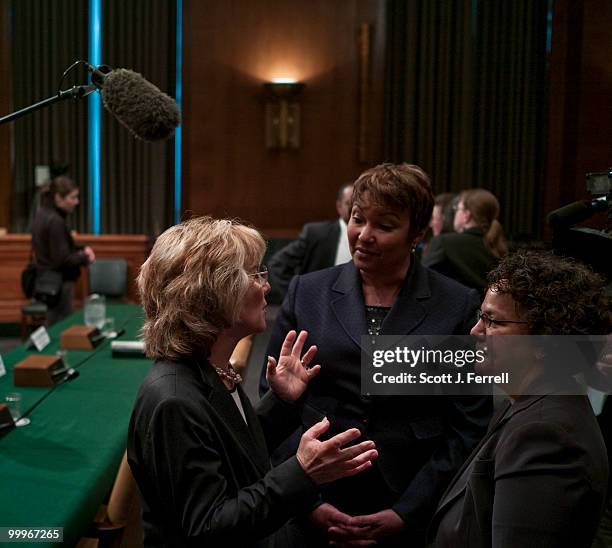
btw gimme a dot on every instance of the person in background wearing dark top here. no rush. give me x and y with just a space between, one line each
422 441
196 447
319 245
443 214
539 476
477 244
442 218
52 244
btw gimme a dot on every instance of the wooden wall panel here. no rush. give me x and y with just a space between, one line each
5 104
595 102
15 254
231 48
580 105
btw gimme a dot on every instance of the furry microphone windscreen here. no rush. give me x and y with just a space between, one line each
141 107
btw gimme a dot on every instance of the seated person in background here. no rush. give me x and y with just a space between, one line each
443 214
539 475
442 218
319 245
477 244
196 447
422 441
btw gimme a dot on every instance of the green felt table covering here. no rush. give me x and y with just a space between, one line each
56 471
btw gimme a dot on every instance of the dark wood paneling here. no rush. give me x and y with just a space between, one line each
15 254
580 106
231 49
5 94
595 123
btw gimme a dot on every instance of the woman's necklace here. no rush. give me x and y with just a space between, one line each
229 374
386 300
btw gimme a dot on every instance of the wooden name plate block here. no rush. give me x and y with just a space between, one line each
37 370
6 419
80 337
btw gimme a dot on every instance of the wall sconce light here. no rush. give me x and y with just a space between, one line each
282 115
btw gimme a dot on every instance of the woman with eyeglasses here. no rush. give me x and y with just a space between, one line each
383 290
539 476
197 448
477 244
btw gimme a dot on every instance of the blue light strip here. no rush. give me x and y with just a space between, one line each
179 100
94 119
549 28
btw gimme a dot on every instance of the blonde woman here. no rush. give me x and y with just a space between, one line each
196 446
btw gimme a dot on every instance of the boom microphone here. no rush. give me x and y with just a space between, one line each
146 111
575 212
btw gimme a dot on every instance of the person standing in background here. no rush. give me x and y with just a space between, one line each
53 246
320 245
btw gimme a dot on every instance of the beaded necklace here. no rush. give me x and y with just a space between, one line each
229 374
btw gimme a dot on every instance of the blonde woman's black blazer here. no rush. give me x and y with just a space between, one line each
203 473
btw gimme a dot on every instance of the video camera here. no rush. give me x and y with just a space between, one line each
592 246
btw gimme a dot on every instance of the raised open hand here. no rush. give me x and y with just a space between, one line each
289 376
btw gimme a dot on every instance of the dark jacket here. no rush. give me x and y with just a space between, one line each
537 478
315 249
421 440
461 256
204 475
53 246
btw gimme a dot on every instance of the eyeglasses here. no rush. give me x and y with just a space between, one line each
488 321
261 276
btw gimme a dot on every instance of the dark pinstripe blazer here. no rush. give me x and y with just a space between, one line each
422 441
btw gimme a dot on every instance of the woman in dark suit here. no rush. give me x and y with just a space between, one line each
477 244
539 476
196 447
383 290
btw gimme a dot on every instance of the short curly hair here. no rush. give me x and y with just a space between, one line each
555 295
193 284
403 186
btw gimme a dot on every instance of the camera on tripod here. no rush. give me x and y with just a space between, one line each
591 246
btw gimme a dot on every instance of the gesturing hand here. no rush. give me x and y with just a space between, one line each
91 256
326 461
289 377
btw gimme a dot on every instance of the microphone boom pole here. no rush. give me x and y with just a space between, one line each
75 92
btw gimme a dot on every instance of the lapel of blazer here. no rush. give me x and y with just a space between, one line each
223 404
257 435
501 417
347 303
409 311
405 316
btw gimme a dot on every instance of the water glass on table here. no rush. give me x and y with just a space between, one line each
95 310
13 401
